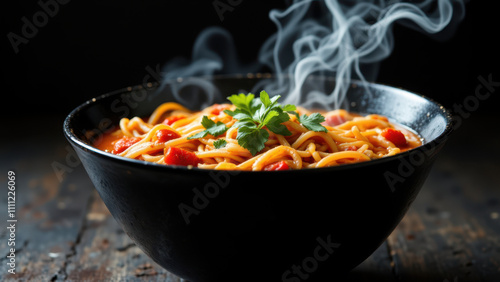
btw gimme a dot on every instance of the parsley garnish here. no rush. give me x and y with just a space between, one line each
312 122
220 143
255 114
212 128
252 116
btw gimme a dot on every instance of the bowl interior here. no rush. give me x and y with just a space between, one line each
417 112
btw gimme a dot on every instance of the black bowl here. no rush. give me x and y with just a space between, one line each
206 225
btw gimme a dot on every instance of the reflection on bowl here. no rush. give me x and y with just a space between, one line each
206 225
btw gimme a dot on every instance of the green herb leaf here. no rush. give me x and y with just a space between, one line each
264 98
268 117
220 143
245 123
312 122
242 101
238 114
276 124
206 122
252 139
212 128
289 108
255 115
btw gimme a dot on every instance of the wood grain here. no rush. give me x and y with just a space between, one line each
64 232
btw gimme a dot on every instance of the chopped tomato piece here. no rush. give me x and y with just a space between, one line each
172 119
124 143
217 108
334 120
281 165
177 156
395 136
164 135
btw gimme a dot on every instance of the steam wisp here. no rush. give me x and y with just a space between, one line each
341 39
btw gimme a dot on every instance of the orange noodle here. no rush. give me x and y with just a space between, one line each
163 138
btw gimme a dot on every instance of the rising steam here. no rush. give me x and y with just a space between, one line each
341 39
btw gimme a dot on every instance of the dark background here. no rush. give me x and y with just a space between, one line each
91 47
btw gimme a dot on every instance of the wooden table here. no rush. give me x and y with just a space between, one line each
65 233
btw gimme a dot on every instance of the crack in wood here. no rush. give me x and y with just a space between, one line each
62 273
392 263
25 243
125 248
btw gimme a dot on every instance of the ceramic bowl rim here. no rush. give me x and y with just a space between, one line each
71 136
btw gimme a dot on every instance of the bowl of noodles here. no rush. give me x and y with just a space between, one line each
216 184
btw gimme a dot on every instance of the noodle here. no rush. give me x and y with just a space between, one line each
350 138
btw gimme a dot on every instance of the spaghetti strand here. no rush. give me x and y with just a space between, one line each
355 139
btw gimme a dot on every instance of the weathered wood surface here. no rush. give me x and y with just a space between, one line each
65 233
